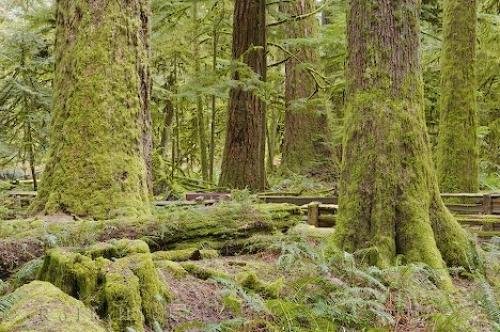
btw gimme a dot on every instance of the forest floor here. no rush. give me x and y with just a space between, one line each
243 267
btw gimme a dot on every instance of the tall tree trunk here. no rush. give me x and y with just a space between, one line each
389 197
244 150
143 54
31 153
200 118
100 146
458 144
306 126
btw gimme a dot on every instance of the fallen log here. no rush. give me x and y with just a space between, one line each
24 240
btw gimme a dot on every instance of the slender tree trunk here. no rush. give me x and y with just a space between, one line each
99 158
31 154
244 151
458 144
213 119
306 126
168 118
200 119
143 54
389 197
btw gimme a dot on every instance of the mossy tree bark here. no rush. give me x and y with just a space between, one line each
389 197
306 125
458 145
100 154
244 150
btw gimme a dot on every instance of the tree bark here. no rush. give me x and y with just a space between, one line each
100 154
458 144
306 126
389 197
244 151
200 117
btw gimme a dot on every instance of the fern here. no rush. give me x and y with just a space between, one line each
488 300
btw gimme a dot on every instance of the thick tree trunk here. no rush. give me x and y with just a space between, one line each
99 159
244 151
389 197
458 144
306 126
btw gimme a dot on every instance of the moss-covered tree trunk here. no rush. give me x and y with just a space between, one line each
306 125
389 197
244 150
99 159
458 145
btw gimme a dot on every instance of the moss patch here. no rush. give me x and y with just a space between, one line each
40 306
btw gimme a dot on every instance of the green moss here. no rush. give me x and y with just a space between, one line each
185 255
458 144
73 273
154 293
128 291
122 296
249 280
116 248
186 228
174 268
232 303
96 162
40 306
203 272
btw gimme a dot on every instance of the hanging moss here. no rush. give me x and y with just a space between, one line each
96 164
458 144
40 306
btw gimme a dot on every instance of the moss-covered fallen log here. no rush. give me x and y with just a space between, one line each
24 240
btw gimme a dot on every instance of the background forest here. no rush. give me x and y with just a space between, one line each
191 65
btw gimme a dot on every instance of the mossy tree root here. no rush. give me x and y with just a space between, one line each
127 291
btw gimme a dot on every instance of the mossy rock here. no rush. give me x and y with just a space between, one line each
40 306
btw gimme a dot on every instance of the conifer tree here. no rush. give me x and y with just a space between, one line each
98 163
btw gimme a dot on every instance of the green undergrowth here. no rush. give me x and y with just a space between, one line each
324 290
